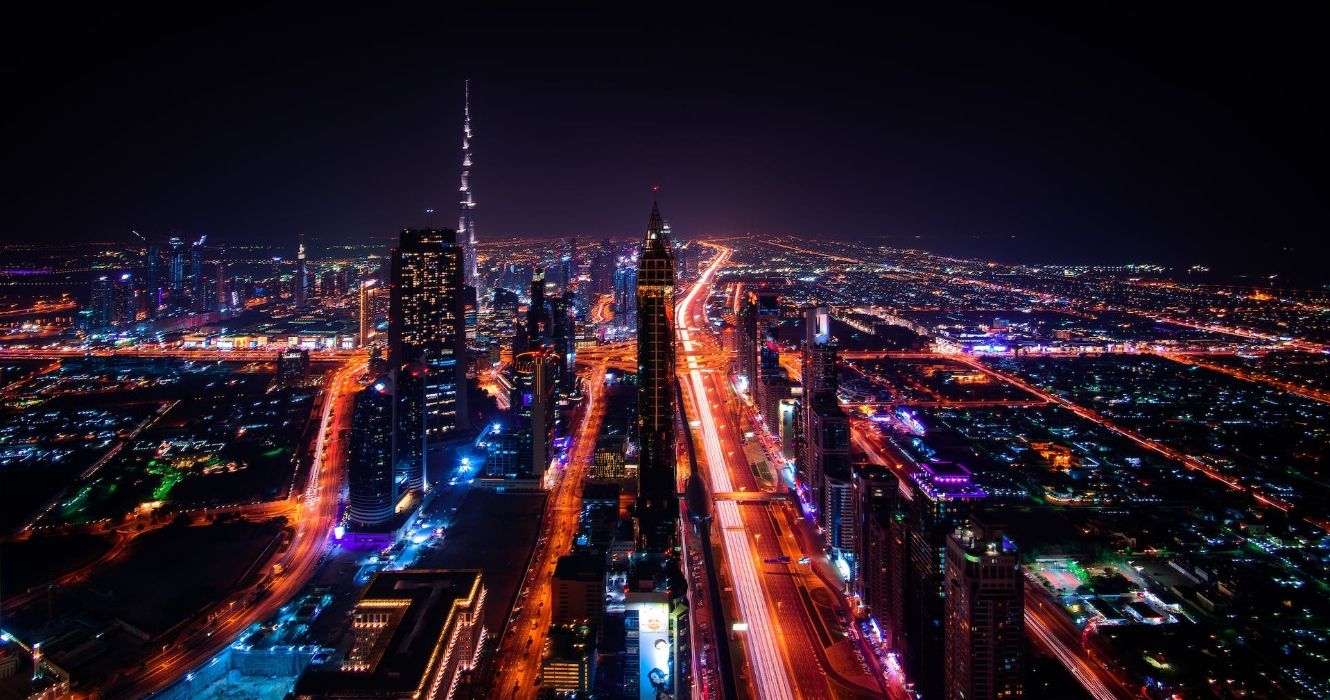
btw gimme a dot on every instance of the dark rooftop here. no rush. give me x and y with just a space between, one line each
582 566
430 595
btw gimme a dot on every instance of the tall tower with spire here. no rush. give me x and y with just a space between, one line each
657 500
301 286
466 218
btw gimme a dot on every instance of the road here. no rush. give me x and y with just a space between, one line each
603 311
767 673
148 351
1189 462
1044 626
791 649
1249 376
315 515
523 642
39 309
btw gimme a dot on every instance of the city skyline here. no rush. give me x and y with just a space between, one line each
757 450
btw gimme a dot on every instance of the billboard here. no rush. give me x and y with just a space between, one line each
653 648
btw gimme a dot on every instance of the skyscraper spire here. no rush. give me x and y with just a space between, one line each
466 222
301 284
656 237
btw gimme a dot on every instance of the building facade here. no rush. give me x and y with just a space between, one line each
985 616
657 506
428 321
372 488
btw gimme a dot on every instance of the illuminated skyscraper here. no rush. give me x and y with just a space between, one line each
877 497
223 287
411 381
112 302
175 269
197 298
563 327
985 616
373 491
625 295
428 319
940 498
826 431
153 280
657 506
466 219
533 411
367 292
300 286
537 317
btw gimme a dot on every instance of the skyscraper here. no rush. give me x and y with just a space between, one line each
533 411
656 498
301 284
175 270
112 302
563 327
373 490
466 218
410 424
625 296
223 287
746 332
602 269
428 319
537 317
368 291
985 616
153 280
877 495
198 299
940 498
826 430
840 513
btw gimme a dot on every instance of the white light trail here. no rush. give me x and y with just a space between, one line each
763 653
1070 661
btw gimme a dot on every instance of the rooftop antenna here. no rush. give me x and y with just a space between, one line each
429 218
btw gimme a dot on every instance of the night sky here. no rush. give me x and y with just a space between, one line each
1053 134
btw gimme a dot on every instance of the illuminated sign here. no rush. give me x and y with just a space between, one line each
653 647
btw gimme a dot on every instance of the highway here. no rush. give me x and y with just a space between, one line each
767 674
603 311
1246 375
149 351
792 650
41 308
1190 462
315 514
1057 637
523 642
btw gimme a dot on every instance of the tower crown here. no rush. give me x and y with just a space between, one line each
657 238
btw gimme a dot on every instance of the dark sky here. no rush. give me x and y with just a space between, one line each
1055 133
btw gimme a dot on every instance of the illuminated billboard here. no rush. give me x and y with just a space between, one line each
653 648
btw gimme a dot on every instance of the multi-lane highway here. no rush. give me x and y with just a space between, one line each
792 649
149 351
